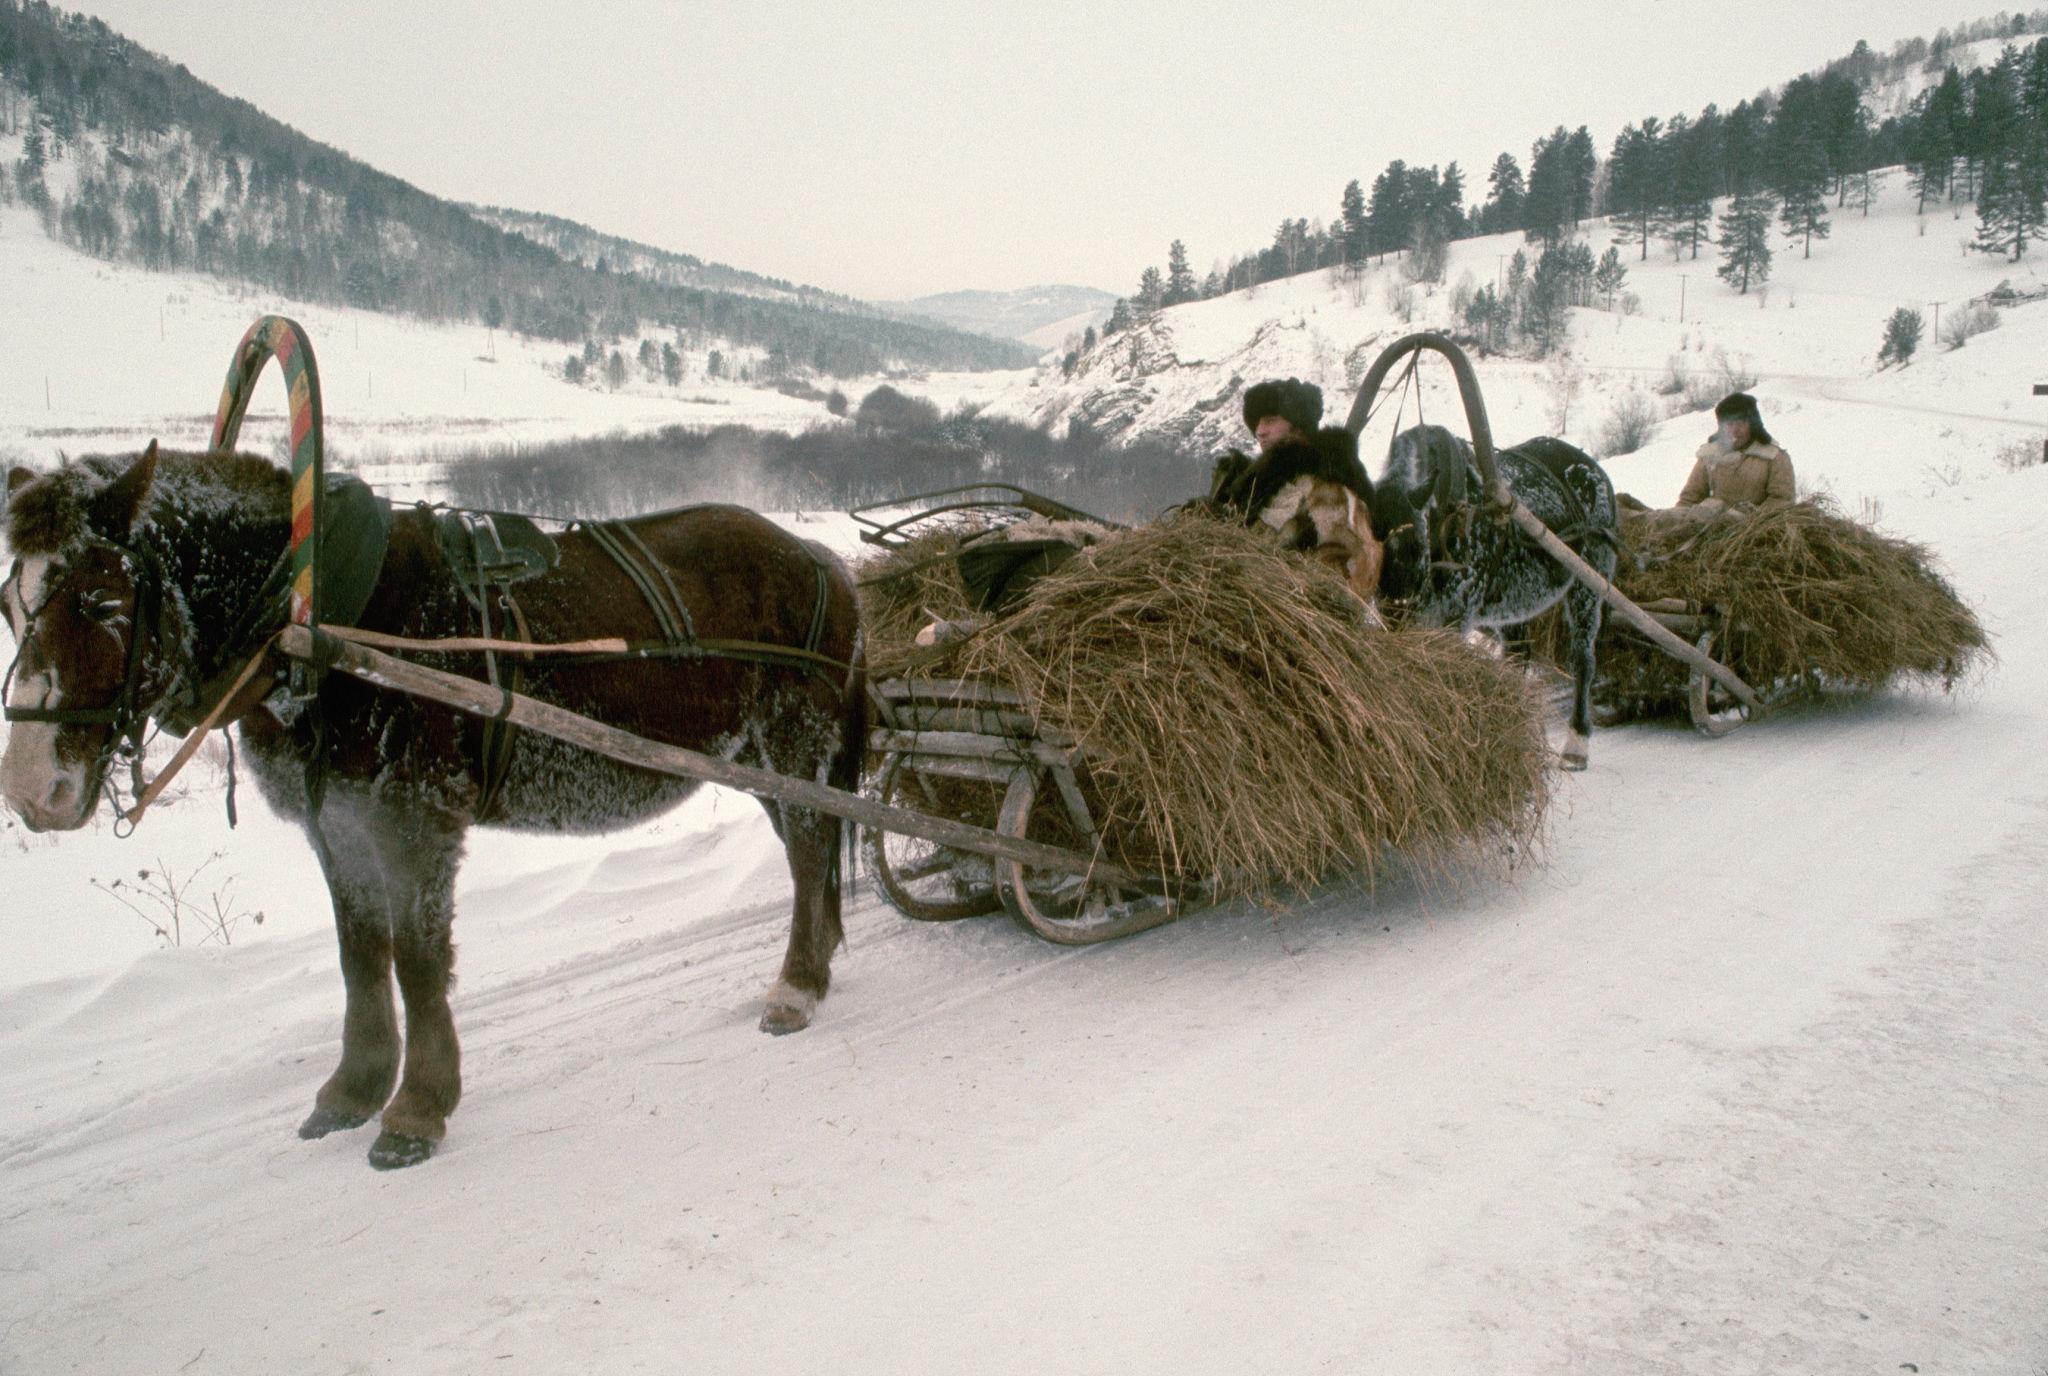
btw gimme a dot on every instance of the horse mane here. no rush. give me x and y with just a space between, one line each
43 516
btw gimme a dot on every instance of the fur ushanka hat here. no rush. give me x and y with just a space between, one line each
1298 403
1742 406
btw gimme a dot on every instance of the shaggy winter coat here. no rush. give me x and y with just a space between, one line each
1315 493
1757 475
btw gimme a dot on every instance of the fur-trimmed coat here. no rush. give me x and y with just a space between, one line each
1759 474
1314 492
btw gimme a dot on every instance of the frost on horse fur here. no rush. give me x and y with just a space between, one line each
1472 570
134 580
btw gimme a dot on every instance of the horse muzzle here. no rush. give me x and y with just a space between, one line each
46 796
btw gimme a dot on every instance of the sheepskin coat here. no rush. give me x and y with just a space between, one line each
1757 475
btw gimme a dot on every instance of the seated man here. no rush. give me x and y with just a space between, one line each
1307 483
1739 468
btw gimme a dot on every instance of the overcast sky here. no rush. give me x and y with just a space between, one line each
894 149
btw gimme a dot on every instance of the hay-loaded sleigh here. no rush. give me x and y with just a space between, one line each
1158 717
1092 780
1182 713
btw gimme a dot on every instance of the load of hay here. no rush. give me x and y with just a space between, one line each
1246 723
1806 592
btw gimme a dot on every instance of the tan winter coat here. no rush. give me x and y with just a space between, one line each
1758 475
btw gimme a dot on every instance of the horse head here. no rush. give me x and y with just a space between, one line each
83 604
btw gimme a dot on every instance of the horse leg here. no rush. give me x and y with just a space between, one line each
1582 633
421 858
811 841
362 1083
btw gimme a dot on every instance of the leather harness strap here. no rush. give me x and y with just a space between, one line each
657 589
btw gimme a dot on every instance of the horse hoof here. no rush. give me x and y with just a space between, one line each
1574 763
395 1150
780 1019
325 1120
789 1009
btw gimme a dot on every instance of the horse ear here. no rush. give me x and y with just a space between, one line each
118 504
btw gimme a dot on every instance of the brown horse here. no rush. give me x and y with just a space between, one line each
140 585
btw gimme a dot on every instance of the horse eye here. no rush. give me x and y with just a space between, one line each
100 606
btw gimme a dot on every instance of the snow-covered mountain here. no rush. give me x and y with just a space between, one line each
589 247
1031 314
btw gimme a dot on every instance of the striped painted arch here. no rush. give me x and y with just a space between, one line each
274 336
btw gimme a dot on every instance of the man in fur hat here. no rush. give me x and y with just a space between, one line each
1282 408
1739 468
1307 483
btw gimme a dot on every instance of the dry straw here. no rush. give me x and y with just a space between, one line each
1805 590
1244 723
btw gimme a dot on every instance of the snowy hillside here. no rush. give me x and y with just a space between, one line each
1809 340
102 355
1745 1074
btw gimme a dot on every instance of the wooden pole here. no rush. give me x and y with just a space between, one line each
1630 612
480 699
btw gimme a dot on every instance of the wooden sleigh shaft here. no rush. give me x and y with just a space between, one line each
480 699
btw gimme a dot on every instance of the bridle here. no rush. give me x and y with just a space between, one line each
127 717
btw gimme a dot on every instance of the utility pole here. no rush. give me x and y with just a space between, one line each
1681 296
1937 322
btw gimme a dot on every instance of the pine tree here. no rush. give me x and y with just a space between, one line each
1636 182
1504 196
1180 278
1351 223
1610 275
2034 84
1433 217
1547 208
2010 209
1746 241
1804 212
1489 317
28 173
1742 149
1151 292
2013 207
1799 162
1544 318
1390 216
1692 153
1901 337
1581 164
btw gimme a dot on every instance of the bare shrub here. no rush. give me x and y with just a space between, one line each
2021 453
1462 292
1676 376
1702 390
167 902
1628 426
1737 375
1401 298
1968 323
